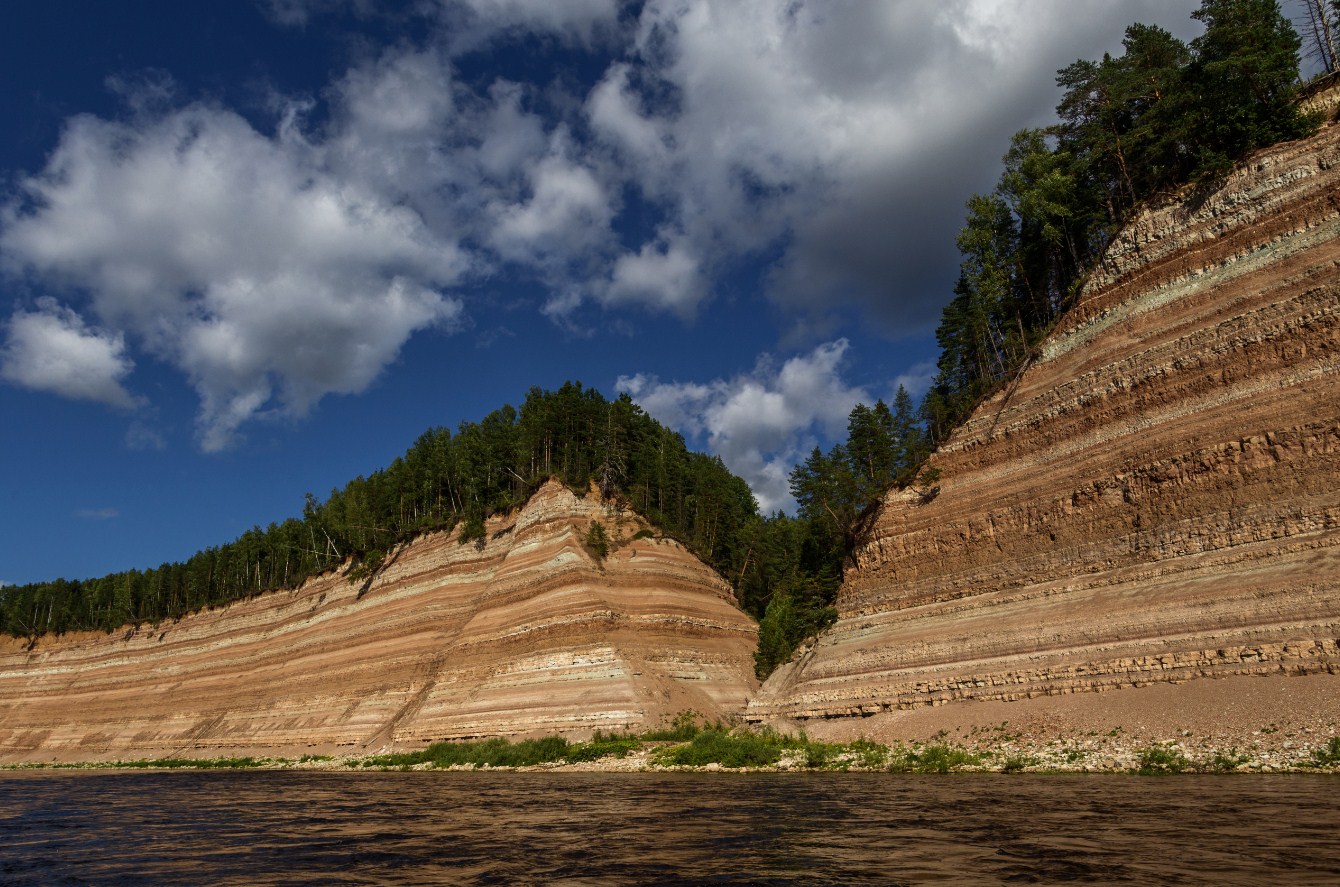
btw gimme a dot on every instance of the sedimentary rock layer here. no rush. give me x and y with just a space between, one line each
526 632
1155 498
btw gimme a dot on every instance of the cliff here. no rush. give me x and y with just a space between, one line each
524 633
1155 498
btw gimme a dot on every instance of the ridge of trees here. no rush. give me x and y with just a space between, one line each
790 584
444 479
1131 128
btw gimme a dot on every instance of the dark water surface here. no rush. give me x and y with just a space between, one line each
268 828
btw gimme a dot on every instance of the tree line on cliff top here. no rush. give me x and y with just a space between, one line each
1131 128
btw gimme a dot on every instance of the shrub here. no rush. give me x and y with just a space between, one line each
1329 754
931 759
1017 763
683 728
597 541
472 529
715 746
1162 759
1224 763
604 745
821 754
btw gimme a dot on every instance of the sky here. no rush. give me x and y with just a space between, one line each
253 249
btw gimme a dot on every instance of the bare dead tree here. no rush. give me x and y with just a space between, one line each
1322 28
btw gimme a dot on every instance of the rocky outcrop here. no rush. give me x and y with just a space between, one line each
526 632
1155 498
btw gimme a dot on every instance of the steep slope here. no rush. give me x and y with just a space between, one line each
526 632
1156 498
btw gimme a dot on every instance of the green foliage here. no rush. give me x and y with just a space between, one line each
793 566
683 728
1158 116
787 622
500 752
936 758
1329 754
472 529
1158 760
603 745
1017 763
194 764
716 746
486 467
597 541
1224 763
860 753
488 752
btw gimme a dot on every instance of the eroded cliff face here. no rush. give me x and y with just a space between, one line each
1156 498
526 633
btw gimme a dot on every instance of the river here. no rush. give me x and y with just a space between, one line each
292 828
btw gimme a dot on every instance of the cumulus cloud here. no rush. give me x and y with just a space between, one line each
832 143
916 380
663 275
578 21
236 256
760 423
52 349
566 213
849 134
472 23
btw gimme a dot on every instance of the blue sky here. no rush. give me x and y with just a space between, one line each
254 251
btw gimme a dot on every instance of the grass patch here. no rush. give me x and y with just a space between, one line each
193 764
937 758
716 746
683 728
502 753
843 755
603 745
1017 763
1161 760
1328 755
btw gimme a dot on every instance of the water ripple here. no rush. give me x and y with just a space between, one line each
289 828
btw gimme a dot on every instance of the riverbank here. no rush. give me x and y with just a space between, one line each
719 748
1277 724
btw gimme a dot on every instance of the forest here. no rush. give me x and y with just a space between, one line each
1161 117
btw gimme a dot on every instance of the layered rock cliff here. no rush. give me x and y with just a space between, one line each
1155 498
526 632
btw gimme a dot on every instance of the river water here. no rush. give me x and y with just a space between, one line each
290 828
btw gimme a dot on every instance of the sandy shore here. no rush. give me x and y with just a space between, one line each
1274 720
1247 724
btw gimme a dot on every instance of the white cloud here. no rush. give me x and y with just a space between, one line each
97 513
566 214
835 140
238 257
760 423
663 275
472 23
848 133
143 437
52 349
580 21
916 379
